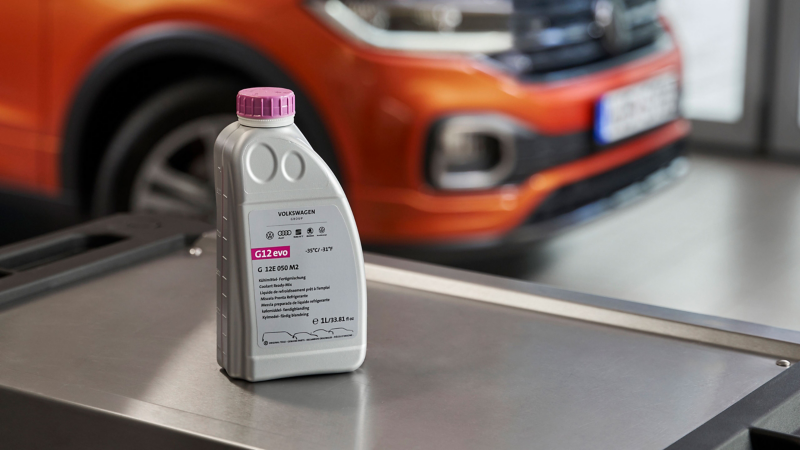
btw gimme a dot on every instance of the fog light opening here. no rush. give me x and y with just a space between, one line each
472 152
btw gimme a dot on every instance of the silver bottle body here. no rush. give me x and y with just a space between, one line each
241 188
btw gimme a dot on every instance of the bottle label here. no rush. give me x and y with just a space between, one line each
304 275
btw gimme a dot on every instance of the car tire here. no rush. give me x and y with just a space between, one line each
160 159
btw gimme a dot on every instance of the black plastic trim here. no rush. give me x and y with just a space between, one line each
579 194
534 152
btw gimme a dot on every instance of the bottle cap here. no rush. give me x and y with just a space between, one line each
265 103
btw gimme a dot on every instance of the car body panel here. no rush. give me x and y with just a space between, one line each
20 92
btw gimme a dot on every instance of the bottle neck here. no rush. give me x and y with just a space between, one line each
266 123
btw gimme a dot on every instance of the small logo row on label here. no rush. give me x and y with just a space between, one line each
297 232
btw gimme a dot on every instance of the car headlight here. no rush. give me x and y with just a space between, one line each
472 26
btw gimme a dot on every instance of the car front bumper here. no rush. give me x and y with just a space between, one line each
564 208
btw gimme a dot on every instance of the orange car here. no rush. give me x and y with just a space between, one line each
466 122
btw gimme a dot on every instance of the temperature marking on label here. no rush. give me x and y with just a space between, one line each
319 249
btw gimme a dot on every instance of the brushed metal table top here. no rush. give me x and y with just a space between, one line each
441 371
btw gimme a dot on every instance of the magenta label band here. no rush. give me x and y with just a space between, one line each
270 252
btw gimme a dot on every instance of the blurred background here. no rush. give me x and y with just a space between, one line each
640 149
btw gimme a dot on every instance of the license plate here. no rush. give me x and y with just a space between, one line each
628 111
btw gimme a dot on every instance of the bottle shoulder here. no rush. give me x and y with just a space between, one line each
275 162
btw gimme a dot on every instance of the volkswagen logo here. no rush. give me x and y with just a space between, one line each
611 18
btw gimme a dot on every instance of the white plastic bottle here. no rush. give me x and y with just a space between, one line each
291 292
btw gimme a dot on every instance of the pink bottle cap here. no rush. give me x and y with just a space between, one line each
265 103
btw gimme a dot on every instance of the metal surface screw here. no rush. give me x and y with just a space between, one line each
783 363
195 251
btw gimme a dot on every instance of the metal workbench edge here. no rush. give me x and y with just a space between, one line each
729 333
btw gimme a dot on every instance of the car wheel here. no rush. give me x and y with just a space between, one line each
161 158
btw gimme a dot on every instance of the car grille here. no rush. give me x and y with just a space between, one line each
554 35
538 153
